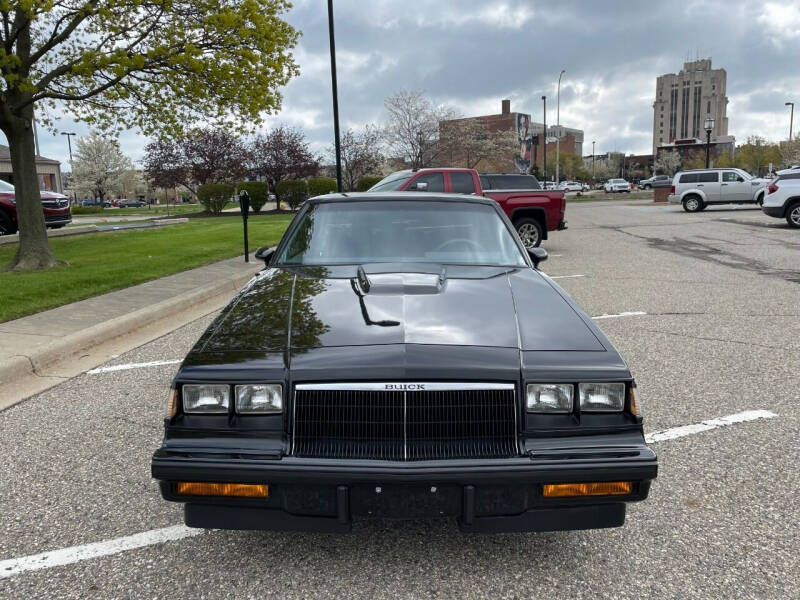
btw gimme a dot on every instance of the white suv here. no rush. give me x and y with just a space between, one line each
698 188
617 185
783 197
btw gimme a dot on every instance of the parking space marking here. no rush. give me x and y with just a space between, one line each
636 313
565 276
68 556
74 554
125 367
684 430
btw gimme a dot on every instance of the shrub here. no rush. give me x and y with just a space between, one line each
292 191
364 183
319 186
259 193
86 210
214 196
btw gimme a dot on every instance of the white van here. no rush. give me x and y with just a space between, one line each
699 188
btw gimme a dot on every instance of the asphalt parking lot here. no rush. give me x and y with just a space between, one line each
705 308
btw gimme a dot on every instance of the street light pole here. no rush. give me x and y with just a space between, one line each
335 98
558 124
709 127
592 162
791 119
544 137
69 144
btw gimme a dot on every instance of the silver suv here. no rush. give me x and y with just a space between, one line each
699 188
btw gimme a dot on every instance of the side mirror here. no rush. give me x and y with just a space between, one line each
419 187
537 255
265 254
740 179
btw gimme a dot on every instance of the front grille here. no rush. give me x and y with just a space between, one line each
369 421
55 203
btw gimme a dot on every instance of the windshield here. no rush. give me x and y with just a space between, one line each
391 182
5 186
401 231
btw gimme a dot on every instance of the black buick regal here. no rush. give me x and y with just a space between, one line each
401 356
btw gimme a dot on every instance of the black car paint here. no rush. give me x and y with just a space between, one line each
458 323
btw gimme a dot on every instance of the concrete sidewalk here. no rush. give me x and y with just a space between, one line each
41 350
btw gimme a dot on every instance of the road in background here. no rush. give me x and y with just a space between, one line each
720 335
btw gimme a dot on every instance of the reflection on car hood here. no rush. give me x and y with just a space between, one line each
477 306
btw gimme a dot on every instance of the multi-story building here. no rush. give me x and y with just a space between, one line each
523 151
684 101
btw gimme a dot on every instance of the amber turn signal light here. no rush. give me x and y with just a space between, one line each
237 490
603 488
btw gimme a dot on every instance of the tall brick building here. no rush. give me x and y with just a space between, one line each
522 153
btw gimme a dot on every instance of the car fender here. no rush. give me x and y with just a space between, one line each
693 192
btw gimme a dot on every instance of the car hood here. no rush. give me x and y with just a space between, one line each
300 310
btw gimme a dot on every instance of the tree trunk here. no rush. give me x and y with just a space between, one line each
34 249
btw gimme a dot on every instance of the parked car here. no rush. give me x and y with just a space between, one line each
125 203
55 207
617 186
655 181
418 365
600 185
91 202
533 211
573 186
782 199
699 188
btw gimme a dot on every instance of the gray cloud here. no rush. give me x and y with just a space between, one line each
471 53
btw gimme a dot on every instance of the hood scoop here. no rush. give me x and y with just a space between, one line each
399 284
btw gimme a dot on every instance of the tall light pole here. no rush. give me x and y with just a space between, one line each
592 161
791 119
335 99
558 123
69 144
544 137
709 127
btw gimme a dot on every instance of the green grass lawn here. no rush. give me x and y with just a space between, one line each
155 210
103 262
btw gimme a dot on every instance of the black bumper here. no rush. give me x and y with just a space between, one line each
774 211
499 495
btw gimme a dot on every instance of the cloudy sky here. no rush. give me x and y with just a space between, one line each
469 54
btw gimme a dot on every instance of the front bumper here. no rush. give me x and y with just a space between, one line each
57 220
774 211
562 226
489 495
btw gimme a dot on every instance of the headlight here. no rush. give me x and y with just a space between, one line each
206 398
262 398
602 397
550 397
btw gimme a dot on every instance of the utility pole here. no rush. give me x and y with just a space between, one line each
558 126
593 161
335 99
791 119
544 137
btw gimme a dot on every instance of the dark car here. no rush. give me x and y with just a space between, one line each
130 203
401 356
55 207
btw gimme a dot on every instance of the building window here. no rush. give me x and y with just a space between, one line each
708 107
685 111
698 91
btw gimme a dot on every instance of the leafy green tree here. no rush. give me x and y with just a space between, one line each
258 191
366 182
319 186
214 196
292 191
153 65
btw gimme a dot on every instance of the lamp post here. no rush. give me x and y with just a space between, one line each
335 99
558 125
544 137
791 118
69 144
709 127
592 162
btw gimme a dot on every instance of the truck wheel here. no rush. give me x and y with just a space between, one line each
530 232
692 204
793 215
7 225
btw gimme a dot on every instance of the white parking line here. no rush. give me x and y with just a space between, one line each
125 367
68 556
74 554
622 314
678 432
565 276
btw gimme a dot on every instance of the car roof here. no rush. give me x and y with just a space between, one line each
386 196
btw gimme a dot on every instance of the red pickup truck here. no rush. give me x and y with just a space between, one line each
532 210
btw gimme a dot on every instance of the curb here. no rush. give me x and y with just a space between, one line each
53 233
74 347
